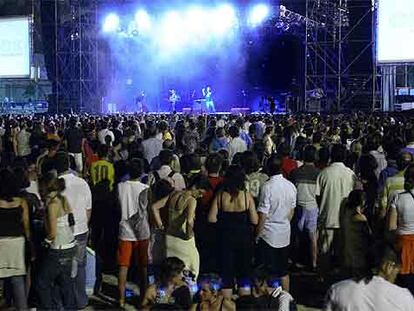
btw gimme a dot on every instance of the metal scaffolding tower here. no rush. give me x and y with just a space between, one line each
340 73
76 56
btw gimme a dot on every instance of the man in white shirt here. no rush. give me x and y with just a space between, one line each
236 144
133 198
333 186
79 197
105 132
276 208
377 152
151 146
166 158
377 293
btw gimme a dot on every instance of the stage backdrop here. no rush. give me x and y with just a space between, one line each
14 47
395 31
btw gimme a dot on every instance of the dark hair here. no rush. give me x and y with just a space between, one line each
165 157
199 181
338 153
220 132
103 151
234 180
268 130
309 154
135 168
404 159
409 135
162 125
194 162
234 131
161 189
49 183
213 163
367 165
274 165
250 162
355 198
52 144
21 177
152 131
324 154
168 144
10 187
284 149
409 178
61 162
237 159
170 268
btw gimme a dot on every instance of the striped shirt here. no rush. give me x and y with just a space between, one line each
304 178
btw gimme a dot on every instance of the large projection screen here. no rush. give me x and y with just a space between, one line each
395 31
14 47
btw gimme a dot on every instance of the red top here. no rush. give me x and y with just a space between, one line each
288 165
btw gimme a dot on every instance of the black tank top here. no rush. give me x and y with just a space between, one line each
233 221
11 224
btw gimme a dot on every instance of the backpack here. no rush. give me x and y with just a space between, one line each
169 177
139 222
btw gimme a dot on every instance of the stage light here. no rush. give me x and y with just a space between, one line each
172 21
196 19
142 21
111 23
258 14
223 19
172 31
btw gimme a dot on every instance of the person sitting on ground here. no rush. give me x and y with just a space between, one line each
209 296
170 291
264 293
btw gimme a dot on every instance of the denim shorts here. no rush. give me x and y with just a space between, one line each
307 219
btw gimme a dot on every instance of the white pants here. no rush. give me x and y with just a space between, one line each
78 161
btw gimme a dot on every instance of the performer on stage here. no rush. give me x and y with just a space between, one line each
140 101
208 96
174 99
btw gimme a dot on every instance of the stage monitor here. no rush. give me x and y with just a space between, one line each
14 47
395 31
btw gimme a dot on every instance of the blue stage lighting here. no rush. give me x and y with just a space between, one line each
223 19
172 31
142 21
196 20
258 14
111 23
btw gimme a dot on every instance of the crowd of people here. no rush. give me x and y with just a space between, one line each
207 212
